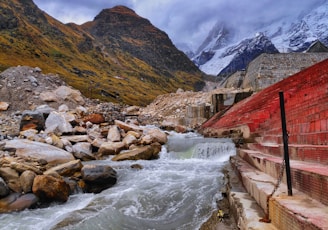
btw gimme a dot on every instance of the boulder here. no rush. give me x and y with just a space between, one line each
83 151
63 108
31 134
51 154
49 188
133 133
4 190
97 142
132 110
45 110
17 202
11 177
4 106
98 177
79 130
94 118
110 148
156 135
76 138
54 140
23 202
5 202
147 152
128 127
22 167
68 94
114 134
67 169
32 120
26 180
48 96
130 139
57 123
147 140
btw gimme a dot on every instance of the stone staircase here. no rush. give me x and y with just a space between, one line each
259 159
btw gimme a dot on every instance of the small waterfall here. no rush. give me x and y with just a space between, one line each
214 150
192 145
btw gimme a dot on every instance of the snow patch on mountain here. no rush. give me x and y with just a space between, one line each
294 33
217 62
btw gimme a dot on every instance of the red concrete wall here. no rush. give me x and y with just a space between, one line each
306 106
306 101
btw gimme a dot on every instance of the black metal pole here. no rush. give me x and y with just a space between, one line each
285 139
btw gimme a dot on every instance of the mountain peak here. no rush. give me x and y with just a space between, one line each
117 10
108 58
290 33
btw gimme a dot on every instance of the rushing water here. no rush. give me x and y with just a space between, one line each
177 191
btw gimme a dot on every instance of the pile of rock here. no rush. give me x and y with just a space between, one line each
45 162
170 111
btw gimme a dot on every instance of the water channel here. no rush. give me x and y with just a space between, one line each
177 191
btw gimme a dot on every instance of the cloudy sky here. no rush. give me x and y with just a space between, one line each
185 21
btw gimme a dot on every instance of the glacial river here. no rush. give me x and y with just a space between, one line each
177 191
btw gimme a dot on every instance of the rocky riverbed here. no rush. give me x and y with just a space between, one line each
48 130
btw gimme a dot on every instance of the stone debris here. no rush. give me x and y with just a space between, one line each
49 129
181 111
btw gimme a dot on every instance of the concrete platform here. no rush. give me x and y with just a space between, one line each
297 212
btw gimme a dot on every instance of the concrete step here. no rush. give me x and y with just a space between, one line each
309 178
297 212
243 206
308 153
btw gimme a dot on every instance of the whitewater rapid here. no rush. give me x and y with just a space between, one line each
177 191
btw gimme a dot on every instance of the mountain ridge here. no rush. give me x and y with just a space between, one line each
288 34
99 67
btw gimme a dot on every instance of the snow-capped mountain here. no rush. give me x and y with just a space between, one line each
226 50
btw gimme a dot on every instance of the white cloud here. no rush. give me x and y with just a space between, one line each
183 20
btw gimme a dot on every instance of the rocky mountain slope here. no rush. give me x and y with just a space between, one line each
227 46
118 57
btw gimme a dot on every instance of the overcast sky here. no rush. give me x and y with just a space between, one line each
185 21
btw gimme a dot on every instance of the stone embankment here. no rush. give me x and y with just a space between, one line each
255 124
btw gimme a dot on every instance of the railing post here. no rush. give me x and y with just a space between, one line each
285 140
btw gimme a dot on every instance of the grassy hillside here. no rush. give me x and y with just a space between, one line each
126 69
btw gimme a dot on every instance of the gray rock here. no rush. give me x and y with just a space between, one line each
33 80
83 151
44 109
130 139
76 138
63 108
57 123
114 134
98 177
69 94
4 190
32 120
23 202
38 150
